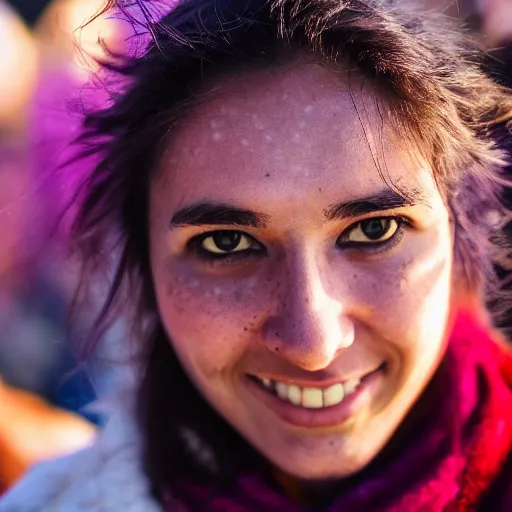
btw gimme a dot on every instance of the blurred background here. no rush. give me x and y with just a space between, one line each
46 64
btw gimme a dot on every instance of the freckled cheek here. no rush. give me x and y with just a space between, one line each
407 287
218 313
402 304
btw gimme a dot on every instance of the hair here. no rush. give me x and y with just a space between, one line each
425 69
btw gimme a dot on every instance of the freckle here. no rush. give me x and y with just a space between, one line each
276 349
193 283
267 175
257 123
319 189
245 328
252 282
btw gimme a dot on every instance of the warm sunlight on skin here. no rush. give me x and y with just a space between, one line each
302 288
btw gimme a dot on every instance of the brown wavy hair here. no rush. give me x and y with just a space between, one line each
424 69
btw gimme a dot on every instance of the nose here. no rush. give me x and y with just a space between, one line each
311 325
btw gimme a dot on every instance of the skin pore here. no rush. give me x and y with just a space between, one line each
316 273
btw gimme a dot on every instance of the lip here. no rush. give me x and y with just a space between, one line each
325 417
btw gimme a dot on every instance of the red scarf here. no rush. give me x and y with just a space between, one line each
446 461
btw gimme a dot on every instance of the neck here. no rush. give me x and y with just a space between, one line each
318 494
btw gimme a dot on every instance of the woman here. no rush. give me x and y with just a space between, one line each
304 199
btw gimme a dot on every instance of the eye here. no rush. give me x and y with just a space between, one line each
373 230
374 235
226 242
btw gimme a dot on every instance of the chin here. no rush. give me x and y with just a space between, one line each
332 468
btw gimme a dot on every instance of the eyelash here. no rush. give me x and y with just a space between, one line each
195 245
377 247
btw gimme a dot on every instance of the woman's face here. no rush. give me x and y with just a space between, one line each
307 300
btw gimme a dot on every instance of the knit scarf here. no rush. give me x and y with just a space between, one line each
446 456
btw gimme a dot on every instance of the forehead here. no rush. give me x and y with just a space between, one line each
286 132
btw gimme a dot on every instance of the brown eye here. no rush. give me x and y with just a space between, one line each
223 242
372 230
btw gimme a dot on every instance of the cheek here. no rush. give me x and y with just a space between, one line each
416 283
216 312
407 298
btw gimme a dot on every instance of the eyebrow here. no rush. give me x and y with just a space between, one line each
199 214
220 214
387 199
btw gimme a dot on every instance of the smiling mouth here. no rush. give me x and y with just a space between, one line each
312 397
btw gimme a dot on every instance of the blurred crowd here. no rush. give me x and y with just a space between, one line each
46 61
47 58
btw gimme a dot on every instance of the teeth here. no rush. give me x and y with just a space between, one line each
294 394
282 390
312 398
351 385
333 395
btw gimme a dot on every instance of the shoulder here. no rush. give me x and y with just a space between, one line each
106 476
